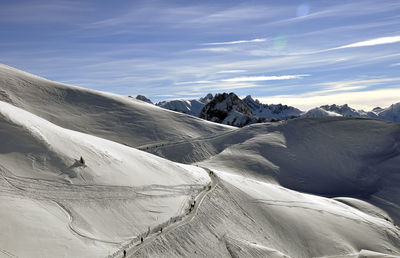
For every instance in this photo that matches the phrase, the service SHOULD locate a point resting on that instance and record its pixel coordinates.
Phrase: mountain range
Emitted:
(234, 111)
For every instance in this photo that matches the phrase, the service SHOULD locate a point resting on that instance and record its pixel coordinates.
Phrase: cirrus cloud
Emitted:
(265, 78)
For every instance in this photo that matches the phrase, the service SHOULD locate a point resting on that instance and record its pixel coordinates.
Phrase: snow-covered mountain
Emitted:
(391, 113)
(307, 187)
(319, 112)
(276, 112)
(228, 109)
(265, 112)
(345, 110)
(192, 107)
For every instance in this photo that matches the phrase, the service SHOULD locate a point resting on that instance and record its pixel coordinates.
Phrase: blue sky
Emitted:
(301, 53)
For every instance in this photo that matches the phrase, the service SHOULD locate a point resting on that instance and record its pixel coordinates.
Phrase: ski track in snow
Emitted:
(76, 231)
(131, 250)
(146, 147)
(8, 254)
(42, 189)
(58, 192)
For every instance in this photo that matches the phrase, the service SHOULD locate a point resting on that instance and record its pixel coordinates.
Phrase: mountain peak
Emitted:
(275, 112)
(206, 98)
(143, 98)
(228, 109)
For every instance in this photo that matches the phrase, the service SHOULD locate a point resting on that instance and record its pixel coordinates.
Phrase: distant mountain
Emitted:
(391, 113)
(192, 107)
(277, 112)
(319, 112)
(347, 111)
(143, 98)
(264, 112)
(228, 109)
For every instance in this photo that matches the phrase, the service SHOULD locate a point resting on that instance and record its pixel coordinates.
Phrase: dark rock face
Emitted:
(228, 109)
(143, 98)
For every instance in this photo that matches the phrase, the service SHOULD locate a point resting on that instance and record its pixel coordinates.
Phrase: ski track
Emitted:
(131, 250)
(42, 189)
(147, 147)
(76, 231)
(290, 205)
(58, 193)
(8, 253)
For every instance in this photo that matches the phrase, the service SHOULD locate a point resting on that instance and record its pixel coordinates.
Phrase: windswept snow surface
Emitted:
(330, 156)
(54, 206)
(113, 117)
(243, 217)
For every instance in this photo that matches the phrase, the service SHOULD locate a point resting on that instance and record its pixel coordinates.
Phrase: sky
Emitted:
(299, 53)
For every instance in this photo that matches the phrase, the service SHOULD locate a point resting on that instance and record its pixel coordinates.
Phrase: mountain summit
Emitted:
(269, 112)
(228, 109)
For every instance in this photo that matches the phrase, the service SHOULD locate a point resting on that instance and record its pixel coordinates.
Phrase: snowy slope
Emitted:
(81, 210)
(98, 113)
(332, 156)
(248, 218)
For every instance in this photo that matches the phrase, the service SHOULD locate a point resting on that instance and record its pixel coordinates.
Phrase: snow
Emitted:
(187, 106)
(319, 112)
(98, 113)
(250, 218)
(116, 195)
(305, 187)
(192, 107)
(391, 113)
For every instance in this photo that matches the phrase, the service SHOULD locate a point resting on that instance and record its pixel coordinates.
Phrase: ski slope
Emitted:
(244, 217)
(81, 210)
(307, 187)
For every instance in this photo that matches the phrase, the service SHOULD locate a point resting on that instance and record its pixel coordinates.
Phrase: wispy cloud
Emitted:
(371, 42)
(265, 78)
(214, 49)
(43, 11)
(358, 99)
(359, 93)
(235, 42)
(232, 71)
(193, 82)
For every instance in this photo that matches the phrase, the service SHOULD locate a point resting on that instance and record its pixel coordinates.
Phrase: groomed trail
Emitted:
(131, 248)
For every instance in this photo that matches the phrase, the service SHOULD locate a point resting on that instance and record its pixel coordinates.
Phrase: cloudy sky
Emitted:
(301, 53)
